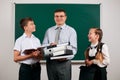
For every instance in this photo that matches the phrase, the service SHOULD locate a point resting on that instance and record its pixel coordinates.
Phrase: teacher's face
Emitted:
(60, 18)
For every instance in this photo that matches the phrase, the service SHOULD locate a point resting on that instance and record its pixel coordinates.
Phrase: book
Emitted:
(29, 51)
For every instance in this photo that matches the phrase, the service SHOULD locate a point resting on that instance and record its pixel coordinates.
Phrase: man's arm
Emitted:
(73, 41)
(45, 40)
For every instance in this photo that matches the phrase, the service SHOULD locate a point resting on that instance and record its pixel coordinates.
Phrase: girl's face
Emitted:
(92, 37)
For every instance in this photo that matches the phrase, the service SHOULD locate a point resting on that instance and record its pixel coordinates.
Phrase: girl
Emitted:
(96, 57)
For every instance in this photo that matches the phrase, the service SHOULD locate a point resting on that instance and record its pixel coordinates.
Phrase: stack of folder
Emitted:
(58, 52)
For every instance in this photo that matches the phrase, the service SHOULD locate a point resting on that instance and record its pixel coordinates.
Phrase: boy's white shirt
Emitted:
(25, 42)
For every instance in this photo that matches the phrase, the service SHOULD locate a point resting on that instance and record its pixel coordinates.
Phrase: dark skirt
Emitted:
(92, 73)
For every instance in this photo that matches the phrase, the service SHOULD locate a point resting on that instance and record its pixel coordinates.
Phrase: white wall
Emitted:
(110, 15)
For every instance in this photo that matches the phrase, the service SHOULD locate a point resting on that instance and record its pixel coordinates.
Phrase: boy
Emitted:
(30, 68)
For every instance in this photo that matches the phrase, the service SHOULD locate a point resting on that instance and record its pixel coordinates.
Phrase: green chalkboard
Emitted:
(80, 16)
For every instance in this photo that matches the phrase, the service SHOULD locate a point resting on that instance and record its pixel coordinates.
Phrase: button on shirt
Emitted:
(106, 60)
(67, 35)
(23, 43)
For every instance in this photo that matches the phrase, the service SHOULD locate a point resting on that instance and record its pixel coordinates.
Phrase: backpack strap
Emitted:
(99, 48)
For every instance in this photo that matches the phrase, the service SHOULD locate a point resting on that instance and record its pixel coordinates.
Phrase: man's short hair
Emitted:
(60, 10)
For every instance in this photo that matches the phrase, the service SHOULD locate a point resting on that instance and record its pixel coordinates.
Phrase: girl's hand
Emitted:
(88, 62)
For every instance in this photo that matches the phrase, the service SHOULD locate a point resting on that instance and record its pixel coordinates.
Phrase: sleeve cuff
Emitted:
(95, 61)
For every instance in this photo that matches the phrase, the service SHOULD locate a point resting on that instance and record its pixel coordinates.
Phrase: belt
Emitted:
(59, 61)
(31, 65)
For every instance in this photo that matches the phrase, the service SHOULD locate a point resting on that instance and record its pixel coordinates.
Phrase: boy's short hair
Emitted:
(60, 10)
(24, 22)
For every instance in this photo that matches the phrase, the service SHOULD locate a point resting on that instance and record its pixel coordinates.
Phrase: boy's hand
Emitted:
(36, 53)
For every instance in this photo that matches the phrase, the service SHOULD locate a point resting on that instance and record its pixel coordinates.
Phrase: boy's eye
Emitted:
(32, 24)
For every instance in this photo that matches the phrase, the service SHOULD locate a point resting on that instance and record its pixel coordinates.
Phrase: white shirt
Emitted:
(106, 60)
(23, 43)
(67, 34)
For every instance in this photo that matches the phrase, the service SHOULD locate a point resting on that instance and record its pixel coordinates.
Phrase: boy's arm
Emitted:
(18, 57)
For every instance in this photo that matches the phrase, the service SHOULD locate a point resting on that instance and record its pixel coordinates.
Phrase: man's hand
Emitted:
(51, 44)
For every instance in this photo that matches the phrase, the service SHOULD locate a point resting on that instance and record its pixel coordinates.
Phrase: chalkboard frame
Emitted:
(69, 17)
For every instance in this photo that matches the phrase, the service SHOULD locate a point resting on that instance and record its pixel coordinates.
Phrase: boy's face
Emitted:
(30, 27)
(59, 18)
(92, 37)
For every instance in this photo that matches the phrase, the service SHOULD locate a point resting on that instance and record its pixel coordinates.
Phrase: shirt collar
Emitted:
(63, 26)
(94, 45)
(25, 36)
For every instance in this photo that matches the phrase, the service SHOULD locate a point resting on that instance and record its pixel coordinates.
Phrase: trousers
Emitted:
(59, 70)
(30, 72)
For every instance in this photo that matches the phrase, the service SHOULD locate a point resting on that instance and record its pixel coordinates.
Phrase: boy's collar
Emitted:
(26, 36)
